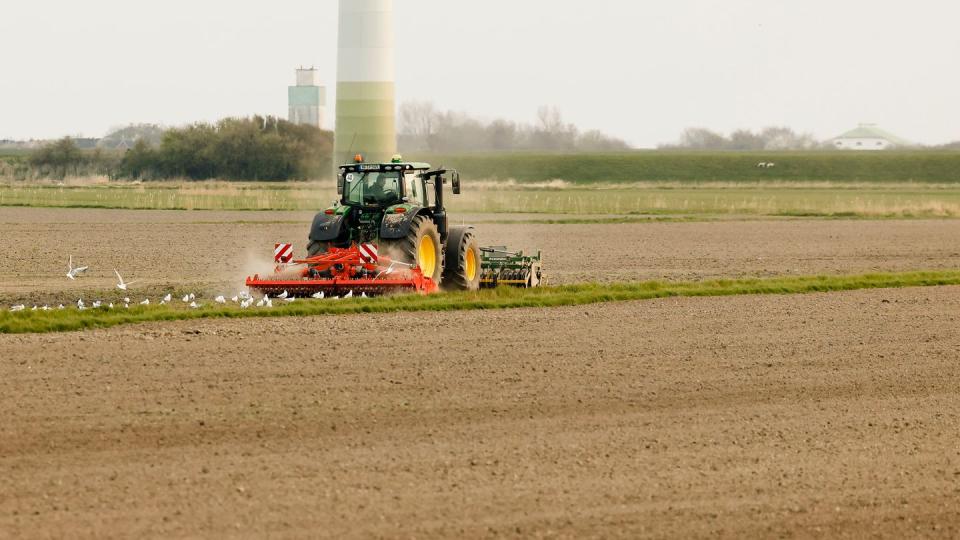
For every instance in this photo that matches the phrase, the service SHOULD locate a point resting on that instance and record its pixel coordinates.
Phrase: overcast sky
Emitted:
(640, 70)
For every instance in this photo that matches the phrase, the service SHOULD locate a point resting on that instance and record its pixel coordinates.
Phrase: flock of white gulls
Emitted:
(242, 299)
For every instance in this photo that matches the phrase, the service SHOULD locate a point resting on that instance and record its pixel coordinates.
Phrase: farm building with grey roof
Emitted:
(869, 137)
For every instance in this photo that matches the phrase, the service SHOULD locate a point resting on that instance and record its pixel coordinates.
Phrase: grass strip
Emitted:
(617, 220)
(704, 218)
(504, 298)
(914, 200)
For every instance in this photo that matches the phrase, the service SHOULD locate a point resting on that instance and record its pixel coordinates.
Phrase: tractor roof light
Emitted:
(358, 158)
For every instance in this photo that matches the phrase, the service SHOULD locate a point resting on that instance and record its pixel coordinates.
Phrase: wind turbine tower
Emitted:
(366, 104)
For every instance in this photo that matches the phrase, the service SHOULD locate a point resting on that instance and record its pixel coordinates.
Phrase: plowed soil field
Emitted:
(826, 415)
(211, 253)
(823, 415)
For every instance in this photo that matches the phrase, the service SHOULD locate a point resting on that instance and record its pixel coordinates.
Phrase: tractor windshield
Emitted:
(372, 188)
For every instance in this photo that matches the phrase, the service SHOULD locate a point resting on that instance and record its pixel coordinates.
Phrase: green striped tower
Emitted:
(366, 107)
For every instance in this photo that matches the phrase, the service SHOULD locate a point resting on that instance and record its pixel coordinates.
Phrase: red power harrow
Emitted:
(357, 269)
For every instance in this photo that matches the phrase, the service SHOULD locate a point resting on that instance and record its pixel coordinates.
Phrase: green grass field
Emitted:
(170, 195)
(871, 200)
(685, 166)
(829, 184)
(504, 298)
(876, 201)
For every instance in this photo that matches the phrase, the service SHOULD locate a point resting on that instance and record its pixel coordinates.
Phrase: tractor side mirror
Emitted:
(455, 180)
(340, 184)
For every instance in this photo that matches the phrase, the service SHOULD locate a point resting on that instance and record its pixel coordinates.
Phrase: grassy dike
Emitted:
(920, 166)
(571, 295)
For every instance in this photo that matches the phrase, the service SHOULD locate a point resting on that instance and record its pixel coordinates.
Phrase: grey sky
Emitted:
(636, 69)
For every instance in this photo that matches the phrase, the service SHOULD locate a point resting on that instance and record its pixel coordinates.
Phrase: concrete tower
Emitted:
(366, 108)
(308, 99)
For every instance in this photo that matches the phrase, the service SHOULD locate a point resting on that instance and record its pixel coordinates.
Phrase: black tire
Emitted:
(407, 249)
(461, 263)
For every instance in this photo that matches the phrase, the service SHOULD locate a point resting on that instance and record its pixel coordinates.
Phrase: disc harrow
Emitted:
(340, 271)
(504, 268)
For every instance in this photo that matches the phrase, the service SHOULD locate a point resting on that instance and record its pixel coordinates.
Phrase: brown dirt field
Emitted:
(826, 415)
(212, 252)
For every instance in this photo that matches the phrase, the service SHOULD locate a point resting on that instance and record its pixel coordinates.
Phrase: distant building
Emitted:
(869, 137)
(127, 137)
(124, 145)
(308, 99)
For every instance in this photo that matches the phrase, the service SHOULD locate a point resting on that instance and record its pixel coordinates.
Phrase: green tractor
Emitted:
(398, 207)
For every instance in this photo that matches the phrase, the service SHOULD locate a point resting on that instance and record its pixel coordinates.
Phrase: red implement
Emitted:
(342, 271)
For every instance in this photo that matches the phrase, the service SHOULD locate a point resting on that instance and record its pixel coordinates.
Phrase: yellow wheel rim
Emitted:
(471, 265)
(428, 256)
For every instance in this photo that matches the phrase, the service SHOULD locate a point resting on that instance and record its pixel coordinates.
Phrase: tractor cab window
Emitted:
(414, 189)
(372, 188)
(431, 193)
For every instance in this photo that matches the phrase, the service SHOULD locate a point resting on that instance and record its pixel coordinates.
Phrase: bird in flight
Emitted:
(122, 285)
(72, 272)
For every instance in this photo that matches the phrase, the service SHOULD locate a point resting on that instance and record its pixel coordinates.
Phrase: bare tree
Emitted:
(595, 141)
(702, 139)
(417, 118)
(552, 133)
(502, 135)
(743, 139)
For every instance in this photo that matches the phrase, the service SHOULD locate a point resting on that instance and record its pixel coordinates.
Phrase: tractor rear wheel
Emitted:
(461, 270)
(421, 248)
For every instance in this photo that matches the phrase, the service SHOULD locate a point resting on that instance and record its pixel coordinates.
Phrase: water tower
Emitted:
(308, 99)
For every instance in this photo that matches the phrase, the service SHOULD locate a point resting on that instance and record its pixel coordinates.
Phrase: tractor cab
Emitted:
(382, 186)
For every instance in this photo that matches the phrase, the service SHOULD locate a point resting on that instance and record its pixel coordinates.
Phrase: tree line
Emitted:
(424, 128)
(257, 148)
(64, 158)
(272, 149)
(771, 138)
